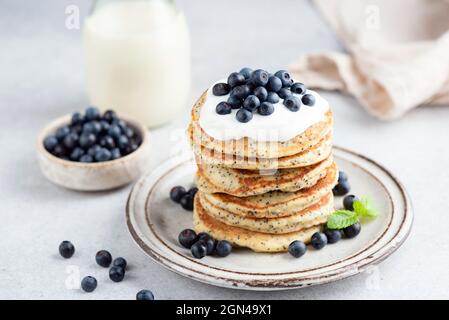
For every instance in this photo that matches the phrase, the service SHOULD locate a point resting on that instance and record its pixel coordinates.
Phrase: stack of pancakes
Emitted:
(263, 195)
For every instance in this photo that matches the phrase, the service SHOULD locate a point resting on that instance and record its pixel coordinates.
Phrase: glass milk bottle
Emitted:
(137, 56)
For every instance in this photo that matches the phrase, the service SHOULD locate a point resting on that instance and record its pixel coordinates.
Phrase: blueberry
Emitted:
(66, 249)
(120, 262)
(121, 124)
(241, 92)
(284, 93)
(109, 116)
(210, 245)
(92, 113)
(62, 132)
(104, 126)
(332, 235)
(187, 202)
(115, 154)
(274, 84)
(192, 191)
(144, 295)
(353, 230)
(221, 89)
(92, 151)
(85, 158)
(204, 235)
(131, 148)
(187, 238)
(76, 154)
(116, 273)
(246, 72)
(176, 193)
(235, 102)
(285, 78)
(319, 240)
(71, 140)
(129, 132)
(50, 143)
(292, 103)
(341, 188)
(92, 127)
(265, 109)
(89, 284)
(297, 248)
(298, 88)
(77, 118)
(223, 108)
(272, 97)
(308, 100)
(122, 142)
(259, 77)
(236, 79)
(107, 142)
(223, 248)
(251, 103)
(103, 258)
(115, 131)
(59, 151)
(87, 140)
(244, 115)
(199, 249)
(348, 202)
(103, 155)
(77, 128)
(261, 93)
(342, 176)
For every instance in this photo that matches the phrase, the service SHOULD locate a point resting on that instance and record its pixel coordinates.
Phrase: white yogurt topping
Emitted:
(281, 125)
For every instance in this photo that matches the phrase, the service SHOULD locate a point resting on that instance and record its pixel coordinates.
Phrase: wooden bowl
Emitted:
(95, 176)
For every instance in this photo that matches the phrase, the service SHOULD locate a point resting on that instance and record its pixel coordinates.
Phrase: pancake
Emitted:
(275, 203)
(312, 155)
(256, 241)
(246, 147)
(306, 218)
(244, 183)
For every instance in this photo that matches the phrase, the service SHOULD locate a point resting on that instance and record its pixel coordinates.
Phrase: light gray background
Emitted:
(41, 78)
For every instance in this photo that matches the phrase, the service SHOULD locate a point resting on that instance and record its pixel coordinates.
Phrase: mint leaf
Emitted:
(341, 219)
(365, 207)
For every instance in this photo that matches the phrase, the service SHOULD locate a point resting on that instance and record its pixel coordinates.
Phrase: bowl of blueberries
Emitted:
(93, 151)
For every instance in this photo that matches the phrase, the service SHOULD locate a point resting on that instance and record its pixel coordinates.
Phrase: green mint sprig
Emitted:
(363, 208)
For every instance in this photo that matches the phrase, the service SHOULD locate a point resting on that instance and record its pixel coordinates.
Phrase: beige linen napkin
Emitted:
(398, 54)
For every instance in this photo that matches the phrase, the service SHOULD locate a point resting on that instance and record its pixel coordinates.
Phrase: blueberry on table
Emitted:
(223, 248)
(251, 103)
(297, 248)
(352, 231)
(319, 240)
(92, 113)
(235, 102)
(76, 154)
(292, 103)
(223, 108)
(259, 77)
(284, 93)
(120, 262)
(244, 115)
(298, 88)
(77, 118)
(187, 202)
(348, 202)
(144, 295)
(50, 143)
(176, 193)
(308, 100)
(341, 188)
(109, 116)
(285, 78)
(103, 155)
(273, 97)
(221, 89)
(241, 91)
(187, 238)
(86, 140)
(274, 84)
(199, 249)
(265, 109)
(116, 273)
(89, 284)
(103, 258)
(332, 235)
(246, 72)
(71, 140)
(261, 93)
(66, 249)
(236, 79)
(62, 132)
(85, 158)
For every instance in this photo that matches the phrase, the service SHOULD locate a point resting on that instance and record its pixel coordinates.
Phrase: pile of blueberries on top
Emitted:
(93, 137)
(257, 91)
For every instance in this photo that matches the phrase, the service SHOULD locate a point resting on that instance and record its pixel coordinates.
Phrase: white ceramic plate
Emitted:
(155, 222)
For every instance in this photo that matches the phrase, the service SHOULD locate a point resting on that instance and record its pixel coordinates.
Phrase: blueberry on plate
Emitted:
(319, 240)
(274, 84)
(62, 132)
(85, 158)
(66, 249)
(241, 91)
(308, 100)
(109, 116)
(352, 231)
(261, 93)
(223, 108)
(103, 258)
(116, 273)
(341, 188)
(298, 88)
(144, 295)
(87, 140)
(235, 102)
(285, 78)
(103, 155)
(246, 72)
(92, 113)
(244, 115)
(221, 89)
(120, 262)
(348, 202)
(284, 93)
(187, 202)
(192, 191)
(259, 77)
(223, 248)
(176, 193)
(77, 118)
(89, 284)
(272, 97)
(50, 143)
(76, 154)
(236, 79)
(187, 238)
(199, 249)
(251, 103)
(210, 244)
(265, 109)
(292, 103)
(297, 248)
(332, 235)
(342, 176)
